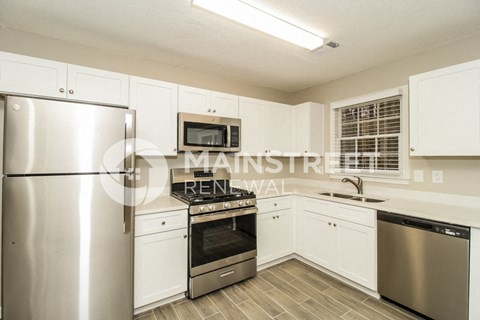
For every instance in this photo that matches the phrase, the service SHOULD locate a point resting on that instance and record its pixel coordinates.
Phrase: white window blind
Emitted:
(367, 137)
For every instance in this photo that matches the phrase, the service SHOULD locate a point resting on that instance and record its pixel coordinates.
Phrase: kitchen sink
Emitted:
(350, 197)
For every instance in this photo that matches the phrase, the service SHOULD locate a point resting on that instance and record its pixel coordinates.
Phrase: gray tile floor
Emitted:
(290, 290)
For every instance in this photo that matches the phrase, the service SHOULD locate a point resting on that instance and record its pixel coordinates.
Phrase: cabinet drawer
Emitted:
(358, 215)
(159, 222)
(319, 206)
(274, 204)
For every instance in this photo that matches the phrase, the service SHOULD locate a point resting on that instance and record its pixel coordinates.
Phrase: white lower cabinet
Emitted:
(330, 235)
(274, 229)
(160, 259)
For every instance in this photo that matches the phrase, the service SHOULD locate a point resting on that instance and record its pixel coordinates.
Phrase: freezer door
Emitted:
(65, 252)
(44, 136)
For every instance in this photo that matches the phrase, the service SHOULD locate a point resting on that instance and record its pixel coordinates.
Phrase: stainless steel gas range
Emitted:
(222, 229)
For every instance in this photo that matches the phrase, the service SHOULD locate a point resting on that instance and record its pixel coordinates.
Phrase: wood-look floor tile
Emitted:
(340, 286)
(330, 303)
(285, 316)
(356, 306)
(282, 274)
(186, 310)
(142, 314)
(294, 270)
(352, 315)
(290, 305)
(226, 306)
(234, 293)
(148, 316)
(216, 316)
(319, 310)
(253, 311)
(165, 312)
(284, 287)
(316, 282)
(204, 306)
(267, 304)
(261, 283)
(388, 310)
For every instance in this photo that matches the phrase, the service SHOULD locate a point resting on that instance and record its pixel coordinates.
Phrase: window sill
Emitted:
(380, 179)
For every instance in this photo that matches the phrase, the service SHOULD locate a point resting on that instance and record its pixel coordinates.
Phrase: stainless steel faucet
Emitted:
(358, 184)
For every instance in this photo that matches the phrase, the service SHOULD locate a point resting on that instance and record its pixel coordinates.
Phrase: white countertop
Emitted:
(455, 214)
(467, 215)
(160, 204)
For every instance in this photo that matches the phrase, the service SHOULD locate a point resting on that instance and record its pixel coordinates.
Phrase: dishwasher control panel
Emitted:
(452, 231)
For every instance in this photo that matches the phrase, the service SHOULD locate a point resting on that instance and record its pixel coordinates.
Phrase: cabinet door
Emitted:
(445, 111)
(194, 100)
(156, 105)
(356, 253)
(160, 266)
(252, 114)
(308, 129)
(283, 245)
(100, 86)
(224, 104)
(319, 239)
(278, 128)
(32, 76)
(265, 237)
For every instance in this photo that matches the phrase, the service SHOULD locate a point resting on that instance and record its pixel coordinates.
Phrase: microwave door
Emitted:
(205, 135)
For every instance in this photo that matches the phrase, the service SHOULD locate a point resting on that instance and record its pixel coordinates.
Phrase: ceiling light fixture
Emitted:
(255, 18)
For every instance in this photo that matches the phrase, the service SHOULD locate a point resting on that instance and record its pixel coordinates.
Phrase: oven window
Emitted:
(205, 135)
(220, 239)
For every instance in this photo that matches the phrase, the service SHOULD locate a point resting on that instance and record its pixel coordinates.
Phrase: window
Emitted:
(367, 137)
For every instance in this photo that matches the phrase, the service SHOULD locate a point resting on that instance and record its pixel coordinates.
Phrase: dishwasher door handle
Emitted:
(418, 224)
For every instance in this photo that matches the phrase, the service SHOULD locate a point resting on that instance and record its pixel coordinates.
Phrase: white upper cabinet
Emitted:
(93, 85)
(445, 111)
(38, 77)
(266, 127)
(308, 129)
(201, 101)
(32, 76)
(156, 105)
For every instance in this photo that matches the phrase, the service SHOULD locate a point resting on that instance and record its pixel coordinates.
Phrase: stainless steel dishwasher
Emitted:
(424, 265)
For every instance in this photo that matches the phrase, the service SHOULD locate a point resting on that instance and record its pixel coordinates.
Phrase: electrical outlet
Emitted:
(417, 175)
(437, 176)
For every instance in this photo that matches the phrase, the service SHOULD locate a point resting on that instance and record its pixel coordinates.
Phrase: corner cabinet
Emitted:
(201, 101)
(39, 77)
(445, 111)
(274, 229)
(266, 127)
(338, 237)
(156, 105)
(160, 256)
(308, 129)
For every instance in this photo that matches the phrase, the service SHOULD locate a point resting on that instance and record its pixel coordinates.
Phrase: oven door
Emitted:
(221, 239)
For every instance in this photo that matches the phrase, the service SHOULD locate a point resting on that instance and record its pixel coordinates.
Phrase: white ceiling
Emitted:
(371, 32)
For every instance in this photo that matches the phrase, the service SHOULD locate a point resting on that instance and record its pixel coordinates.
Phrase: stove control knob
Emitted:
(248, 202)
(210, 207)
(202, 209)
(227, 205)
(240, 203)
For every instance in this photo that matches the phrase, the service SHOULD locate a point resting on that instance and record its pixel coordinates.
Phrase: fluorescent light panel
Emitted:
(257, 19)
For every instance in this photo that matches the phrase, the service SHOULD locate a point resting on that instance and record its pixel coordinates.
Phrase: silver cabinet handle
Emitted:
(227, 273)
(184, 236)
(174, 149)
(70, 91)
(334, 224)
(306, 151)
(329, 223)
(275, 204)
(214, 110)
(278, 217)
(209, 110)
(273, 217)
(61, 90)
(412, 149)
(163, 223)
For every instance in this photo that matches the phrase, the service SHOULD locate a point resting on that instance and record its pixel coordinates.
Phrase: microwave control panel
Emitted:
(234, 137)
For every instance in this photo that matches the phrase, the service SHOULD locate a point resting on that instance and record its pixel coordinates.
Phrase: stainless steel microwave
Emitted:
(198, 132)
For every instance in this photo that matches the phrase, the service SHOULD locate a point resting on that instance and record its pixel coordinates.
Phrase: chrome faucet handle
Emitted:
(359, 184)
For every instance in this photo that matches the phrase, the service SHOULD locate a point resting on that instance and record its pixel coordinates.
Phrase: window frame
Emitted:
(403, 176)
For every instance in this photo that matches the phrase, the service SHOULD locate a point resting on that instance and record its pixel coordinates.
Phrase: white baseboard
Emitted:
(159, 303)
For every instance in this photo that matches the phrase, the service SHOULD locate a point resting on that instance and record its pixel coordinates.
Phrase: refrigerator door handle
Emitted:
(130, 141)
(129, 206)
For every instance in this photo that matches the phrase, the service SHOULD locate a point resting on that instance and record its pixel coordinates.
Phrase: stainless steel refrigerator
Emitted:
(67, 235)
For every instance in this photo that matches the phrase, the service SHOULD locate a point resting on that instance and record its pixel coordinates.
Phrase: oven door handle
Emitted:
(222, 215)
